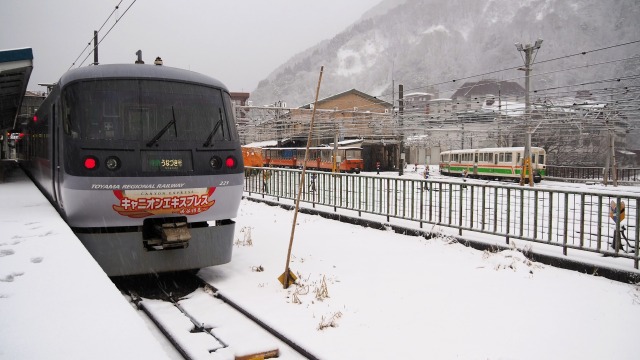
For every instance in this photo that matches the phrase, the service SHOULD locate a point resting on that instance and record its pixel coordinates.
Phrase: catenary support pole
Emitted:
(95, 47)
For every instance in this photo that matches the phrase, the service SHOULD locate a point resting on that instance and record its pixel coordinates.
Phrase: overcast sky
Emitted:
(237, 42)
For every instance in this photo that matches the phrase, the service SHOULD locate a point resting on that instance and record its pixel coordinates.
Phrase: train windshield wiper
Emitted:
(218, 125)
(164, 129)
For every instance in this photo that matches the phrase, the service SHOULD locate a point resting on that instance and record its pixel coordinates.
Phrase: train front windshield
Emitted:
(147, 110)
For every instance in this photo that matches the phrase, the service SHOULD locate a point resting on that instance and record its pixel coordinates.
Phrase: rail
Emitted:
(592, 173)
(568, 219)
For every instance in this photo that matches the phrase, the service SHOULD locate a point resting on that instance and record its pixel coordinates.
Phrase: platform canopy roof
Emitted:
(15, 70)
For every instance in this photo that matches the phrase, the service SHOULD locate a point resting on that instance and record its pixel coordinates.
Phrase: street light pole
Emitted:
(528, 60)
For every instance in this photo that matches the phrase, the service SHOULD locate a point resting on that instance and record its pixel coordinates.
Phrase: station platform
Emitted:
(55, 301)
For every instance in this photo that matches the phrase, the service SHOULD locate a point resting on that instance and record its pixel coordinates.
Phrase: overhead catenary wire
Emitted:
(91, 39)
(609, 99)
(108, 31)
(480, 75)
(558, 115)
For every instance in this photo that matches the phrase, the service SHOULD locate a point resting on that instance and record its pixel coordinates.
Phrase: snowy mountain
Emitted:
(419, 43)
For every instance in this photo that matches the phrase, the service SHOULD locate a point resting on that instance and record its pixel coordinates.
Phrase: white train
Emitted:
(492, 163)
(144, 164)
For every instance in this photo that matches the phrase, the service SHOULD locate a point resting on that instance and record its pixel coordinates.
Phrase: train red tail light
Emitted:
(230, 162)
(90, 162)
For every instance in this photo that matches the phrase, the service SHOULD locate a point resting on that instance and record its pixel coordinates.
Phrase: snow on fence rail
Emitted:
(554, 216)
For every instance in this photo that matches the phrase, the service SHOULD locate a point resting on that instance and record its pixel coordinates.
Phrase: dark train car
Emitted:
(143, 162)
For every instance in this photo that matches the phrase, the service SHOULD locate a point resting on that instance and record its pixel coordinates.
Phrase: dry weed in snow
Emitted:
(331, 322)
(322, 292)
(247, 237)
(510, 259)
(303, 285)
(301, 290)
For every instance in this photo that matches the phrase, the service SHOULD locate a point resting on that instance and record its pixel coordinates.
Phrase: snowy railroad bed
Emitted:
(205, 327)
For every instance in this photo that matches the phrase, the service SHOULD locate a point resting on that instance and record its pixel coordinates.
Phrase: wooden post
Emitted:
(287, 276)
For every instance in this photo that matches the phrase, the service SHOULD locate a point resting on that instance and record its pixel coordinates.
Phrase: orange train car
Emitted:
(348, 159)
(252, 156)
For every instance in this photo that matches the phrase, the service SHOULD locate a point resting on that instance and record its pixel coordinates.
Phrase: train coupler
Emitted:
(164, 234)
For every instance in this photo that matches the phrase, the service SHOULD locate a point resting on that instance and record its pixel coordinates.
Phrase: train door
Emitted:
(56, 149)
(475, 164)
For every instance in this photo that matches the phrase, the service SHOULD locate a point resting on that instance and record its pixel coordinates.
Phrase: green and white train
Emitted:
(492, 163)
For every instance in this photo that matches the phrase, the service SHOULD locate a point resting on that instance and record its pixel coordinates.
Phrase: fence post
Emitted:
(508, 213)
(581, 220)
(566, 223)
(535, 213)
(462, 191)
(637, 234)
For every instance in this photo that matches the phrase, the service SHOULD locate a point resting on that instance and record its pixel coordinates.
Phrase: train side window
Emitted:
(508, 157)
(66, 116)
(501, 159)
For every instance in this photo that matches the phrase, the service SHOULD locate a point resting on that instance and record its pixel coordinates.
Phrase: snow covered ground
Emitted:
(55, 301)
(362, 293)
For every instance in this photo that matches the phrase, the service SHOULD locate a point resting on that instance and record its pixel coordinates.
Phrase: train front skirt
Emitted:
(128, 253)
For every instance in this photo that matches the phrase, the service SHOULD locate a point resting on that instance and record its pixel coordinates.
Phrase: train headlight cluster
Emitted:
(112, 163)
(216, 162)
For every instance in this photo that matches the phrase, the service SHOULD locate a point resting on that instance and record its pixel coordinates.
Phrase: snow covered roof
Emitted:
(489, 86)
(372, 99)
(260, 144)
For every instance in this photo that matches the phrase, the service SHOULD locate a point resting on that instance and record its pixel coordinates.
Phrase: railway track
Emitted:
(201, 323)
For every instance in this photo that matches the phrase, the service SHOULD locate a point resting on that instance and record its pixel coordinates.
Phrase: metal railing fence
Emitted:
(592, 173)
(569, 219)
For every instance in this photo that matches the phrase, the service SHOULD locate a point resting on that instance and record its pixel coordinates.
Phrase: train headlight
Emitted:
(231, 162)
(90, 162)
(215, 162)
(112, 163)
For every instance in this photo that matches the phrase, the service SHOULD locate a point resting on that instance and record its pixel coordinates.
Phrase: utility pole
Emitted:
(610, 162)
(401, 114)
(499, 117)
(528, 60)
(461, 133)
